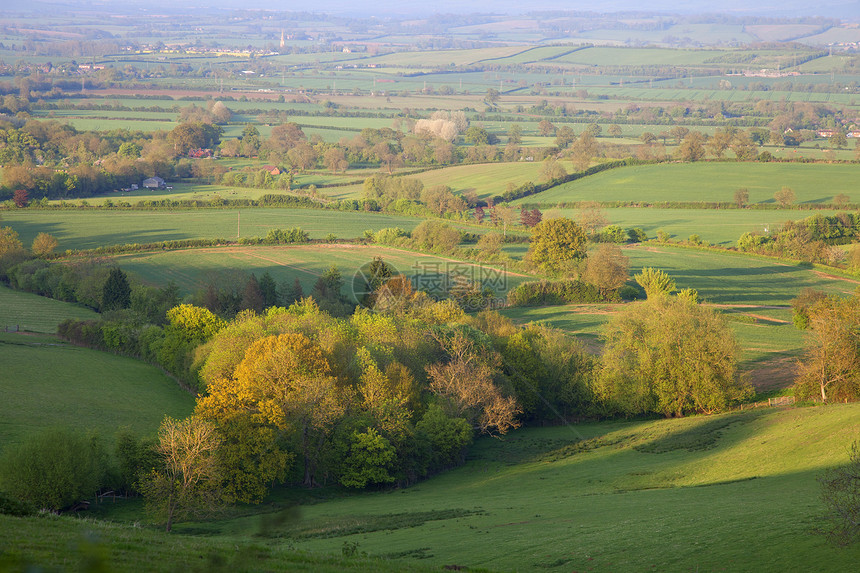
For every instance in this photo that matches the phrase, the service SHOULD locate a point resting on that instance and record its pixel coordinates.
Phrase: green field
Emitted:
(64, 543)
(47, 383)
(92, 229)
(734, 492)
(33, 313)
(726, 278)
(717, 226)
(191, 268)
(812, 183)
(485, 179)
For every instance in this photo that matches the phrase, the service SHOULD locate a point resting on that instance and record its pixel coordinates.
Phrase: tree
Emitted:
(11, 248)
(671, 356)
(465, 382)
(370, 460)
(841, 200)
(490, 244)
(742, 198)
(838, 140)
(607, 268)
(840, 492)
(117, 292)
(44, 244)
(285, 381)
(719, 142)
(557, 242)
(53, 469)
(515, 134)
(583, 149)
(591, 217)
(785, 196)
(186, 480)
(21, 198)
(830, 368)
(614, 130)
(551, 170)
(545, 128)
(564, 136)
(655, 282)
(693, 147)
(335, 160)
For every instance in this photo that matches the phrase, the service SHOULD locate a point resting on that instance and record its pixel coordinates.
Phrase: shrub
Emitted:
(54, 469)
(558, 292)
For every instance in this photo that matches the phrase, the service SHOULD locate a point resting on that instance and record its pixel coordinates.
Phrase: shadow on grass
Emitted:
(699, 433)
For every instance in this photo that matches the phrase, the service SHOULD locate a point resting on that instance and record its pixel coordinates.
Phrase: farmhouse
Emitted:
(154, 183)
(273, 170)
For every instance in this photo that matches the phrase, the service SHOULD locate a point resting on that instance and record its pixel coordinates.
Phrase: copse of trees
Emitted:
(669, 355)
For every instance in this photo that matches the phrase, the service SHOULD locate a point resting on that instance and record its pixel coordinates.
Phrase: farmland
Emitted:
(89, 229)
(82, 389)
(698, 478)
(685, 182)
(33, 313)
(418, 434)
(190, 269)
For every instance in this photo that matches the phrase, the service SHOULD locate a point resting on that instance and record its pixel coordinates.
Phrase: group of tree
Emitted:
(813, 239)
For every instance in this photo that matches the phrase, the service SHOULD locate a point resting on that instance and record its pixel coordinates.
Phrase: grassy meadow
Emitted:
(47, 383)
(34, 313)
(191, 268)
(709, 493)
(91, 229)
(711, 181)
(718, 226)
(31, 543)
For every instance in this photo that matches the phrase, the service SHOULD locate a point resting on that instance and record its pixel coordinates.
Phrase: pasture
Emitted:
(89, 229)
(718, 226)
(32, 313)
(736, 492)
(709, 181)
(731, 278)
(48, 383)
(191, 268)
(51, 542)
(484, 179)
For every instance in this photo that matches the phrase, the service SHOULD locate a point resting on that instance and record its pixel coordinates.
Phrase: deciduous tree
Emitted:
(557, 242)
(671, 356)
(830, 368)
(188, 476)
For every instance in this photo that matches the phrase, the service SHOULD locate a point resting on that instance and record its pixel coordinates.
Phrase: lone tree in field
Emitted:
(742, 198)
(671, 356)
(785, 196)
(117, 292)
(557, 242)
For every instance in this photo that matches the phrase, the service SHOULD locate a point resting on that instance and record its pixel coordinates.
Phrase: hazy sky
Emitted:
(847, 9)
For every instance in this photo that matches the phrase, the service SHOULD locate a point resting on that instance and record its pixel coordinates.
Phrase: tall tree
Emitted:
(116, 293)
(830, 368)
(187, 478)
